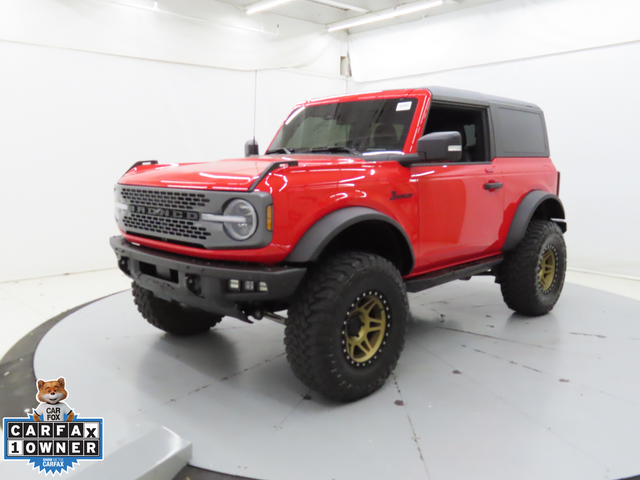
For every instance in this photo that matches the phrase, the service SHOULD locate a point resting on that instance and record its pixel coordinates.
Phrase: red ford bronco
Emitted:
(358, 199)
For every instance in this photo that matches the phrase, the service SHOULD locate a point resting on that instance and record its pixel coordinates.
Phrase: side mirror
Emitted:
(440, 147)
(251, 148)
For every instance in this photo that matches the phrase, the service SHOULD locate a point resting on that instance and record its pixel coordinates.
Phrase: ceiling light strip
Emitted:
(384, 15)
(264, 5)
(343, 6)
(157, 9)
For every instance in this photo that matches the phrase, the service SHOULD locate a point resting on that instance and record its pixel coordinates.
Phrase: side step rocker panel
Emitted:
(433, 279)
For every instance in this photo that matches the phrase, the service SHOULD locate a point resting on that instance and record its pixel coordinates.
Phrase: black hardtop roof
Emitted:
(446, 94)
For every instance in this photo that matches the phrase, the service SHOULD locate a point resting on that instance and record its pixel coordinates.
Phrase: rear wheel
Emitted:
(172, 317)
(345, 331)
(532, 275)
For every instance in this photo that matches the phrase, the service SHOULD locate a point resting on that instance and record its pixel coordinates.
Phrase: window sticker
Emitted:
(403, 106)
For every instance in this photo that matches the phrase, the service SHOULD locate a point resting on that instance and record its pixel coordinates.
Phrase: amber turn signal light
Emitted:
(270, 218)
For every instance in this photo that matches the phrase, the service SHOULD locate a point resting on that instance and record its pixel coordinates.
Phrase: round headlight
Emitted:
(241, 230)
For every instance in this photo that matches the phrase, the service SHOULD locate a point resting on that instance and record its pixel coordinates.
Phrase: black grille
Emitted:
(168, 226)
(166, 199)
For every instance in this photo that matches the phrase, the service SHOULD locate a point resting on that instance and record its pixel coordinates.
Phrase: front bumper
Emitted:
(202, 283)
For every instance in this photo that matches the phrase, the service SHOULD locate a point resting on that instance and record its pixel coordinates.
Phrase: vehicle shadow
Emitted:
(248, 360)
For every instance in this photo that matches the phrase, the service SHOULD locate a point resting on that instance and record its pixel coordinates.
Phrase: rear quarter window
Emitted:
(520, 133)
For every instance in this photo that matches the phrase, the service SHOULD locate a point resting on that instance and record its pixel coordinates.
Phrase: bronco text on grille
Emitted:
(168, 213)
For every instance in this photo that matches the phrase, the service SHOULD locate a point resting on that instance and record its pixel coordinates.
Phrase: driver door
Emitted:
(460, 203)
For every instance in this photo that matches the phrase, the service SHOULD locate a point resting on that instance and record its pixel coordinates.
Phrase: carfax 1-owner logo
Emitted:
(53, 438)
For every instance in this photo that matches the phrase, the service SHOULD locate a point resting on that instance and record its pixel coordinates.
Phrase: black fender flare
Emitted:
(320, 234)
(525, 212)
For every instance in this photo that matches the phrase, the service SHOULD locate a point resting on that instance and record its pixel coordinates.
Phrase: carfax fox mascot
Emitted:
(52, 408)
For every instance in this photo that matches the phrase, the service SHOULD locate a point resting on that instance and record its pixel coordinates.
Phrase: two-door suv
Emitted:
(358, 199)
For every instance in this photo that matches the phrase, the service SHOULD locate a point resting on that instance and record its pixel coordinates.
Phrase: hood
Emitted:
(234, 174)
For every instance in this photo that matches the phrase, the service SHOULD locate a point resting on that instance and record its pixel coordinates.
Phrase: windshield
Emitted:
(366, 127)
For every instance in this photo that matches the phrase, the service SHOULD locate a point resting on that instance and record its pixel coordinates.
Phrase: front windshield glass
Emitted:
(367, 127)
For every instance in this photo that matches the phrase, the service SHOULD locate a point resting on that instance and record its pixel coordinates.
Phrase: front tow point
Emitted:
(194, 284)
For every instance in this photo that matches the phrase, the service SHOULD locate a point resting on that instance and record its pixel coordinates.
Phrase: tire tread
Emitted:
(306, 333)
(171, 317)
(519, 288)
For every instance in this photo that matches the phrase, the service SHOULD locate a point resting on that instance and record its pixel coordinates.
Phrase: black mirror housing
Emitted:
(251, 148)
(440, 147)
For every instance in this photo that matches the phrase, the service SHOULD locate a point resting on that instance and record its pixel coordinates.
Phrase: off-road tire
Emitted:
(172, 317)
(315, 327)
(519, 273)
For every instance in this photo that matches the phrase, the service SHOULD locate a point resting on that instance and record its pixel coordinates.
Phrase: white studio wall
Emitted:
(495, 32)
(590, 99)
(71, 123)
(88, 87)
(195, 32)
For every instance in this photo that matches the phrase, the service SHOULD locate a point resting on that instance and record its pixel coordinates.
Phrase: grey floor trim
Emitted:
(195, 473)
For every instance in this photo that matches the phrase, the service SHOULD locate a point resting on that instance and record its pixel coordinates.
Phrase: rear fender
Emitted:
(535, 205)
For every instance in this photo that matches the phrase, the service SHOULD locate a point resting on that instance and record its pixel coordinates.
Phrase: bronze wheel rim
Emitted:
(365, 328)
(547, 272)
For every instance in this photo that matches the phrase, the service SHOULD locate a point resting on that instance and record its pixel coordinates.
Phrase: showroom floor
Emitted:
(565, 390)
(25, 304)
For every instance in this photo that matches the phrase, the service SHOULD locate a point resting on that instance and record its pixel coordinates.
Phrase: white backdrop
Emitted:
(195, 32)
(72, 122)
(591, 102)
(494, 32)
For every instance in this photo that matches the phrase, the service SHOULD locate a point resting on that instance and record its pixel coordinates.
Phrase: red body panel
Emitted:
(450, 217)
(460, 220)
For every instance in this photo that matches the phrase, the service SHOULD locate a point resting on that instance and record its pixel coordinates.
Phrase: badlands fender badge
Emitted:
(399, 196)
(53, 438)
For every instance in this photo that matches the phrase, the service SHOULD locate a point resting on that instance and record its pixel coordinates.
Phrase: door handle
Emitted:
(492, 185)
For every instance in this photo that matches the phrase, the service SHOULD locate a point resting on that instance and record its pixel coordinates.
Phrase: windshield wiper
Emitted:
(335, 149)
(279, 150)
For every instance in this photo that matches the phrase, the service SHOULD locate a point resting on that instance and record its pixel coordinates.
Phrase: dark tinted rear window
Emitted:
(521, 133)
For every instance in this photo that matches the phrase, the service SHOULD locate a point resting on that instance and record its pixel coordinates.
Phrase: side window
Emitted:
(470, 122)
(522, 133)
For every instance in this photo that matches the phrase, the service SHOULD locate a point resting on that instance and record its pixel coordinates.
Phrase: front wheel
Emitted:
(532, 275)
(172, 317)
(346, 329)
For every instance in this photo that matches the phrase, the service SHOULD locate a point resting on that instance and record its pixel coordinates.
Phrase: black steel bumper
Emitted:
(201, 283)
